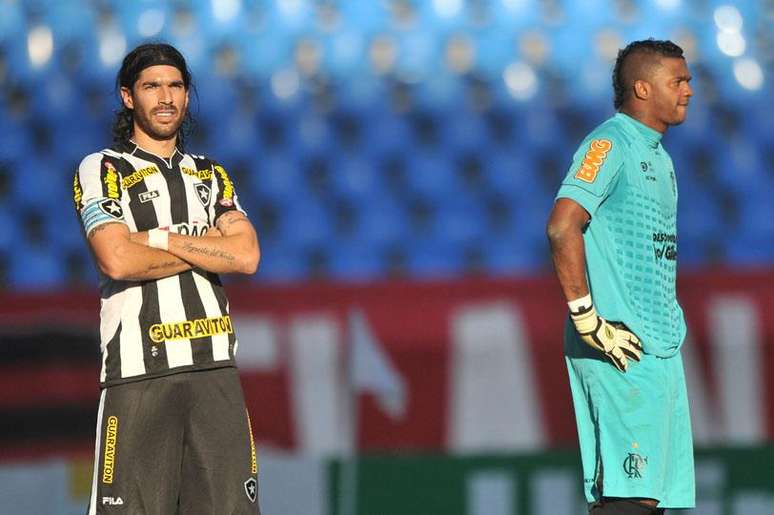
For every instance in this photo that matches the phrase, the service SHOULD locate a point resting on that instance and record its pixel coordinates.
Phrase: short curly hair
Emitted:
(629, 68)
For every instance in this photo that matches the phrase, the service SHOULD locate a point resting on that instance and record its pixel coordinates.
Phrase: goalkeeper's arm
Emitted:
(565, 234)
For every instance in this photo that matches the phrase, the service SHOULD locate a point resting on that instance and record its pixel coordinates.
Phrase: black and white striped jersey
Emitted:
(170, 325)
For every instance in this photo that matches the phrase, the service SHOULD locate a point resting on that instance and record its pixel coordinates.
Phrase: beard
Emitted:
(154, 129)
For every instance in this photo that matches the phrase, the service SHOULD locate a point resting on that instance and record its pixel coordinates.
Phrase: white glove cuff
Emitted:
(158, 239)
(580, 305)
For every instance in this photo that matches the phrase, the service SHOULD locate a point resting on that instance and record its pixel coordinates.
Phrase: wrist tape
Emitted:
(158, 239)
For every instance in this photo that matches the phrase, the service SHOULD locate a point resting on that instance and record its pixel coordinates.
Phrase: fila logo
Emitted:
(112, 501)
(145, 196)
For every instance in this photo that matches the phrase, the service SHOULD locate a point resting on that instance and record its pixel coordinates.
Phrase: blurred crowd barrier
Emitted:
(471, 365)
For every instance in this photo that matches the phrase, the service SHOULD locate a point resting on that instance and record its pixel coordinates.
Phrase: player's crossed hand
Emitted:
(613, 339)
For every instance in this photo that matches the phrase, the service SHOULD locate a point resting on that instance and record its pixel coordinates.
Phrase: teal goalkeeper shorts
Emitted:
(634, 428)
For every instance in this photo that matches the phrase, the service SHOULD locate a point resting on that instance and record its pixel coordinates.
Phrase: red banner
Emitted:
(469, 365)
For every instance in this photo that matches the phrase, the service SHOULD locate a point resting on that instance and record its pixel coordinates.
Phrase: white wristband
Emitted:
(581, 304)
(158, 239)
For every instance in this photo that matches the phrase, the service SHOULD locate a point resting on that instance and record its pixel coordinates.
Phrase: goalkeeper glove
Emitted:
(613, 339)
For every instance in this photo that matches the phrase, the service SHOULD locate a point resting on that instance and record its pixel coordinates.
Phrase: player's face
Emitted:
(159, 100)
(671, 91)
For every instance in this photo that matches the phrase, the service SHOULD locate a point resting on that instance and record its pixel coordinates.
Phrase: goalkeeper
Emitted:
(613, 243)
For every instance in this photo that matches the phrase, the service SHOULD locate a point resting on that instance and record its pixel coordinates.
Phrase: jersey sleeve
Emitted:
(97, 192)
(225, 195)
(594, 172)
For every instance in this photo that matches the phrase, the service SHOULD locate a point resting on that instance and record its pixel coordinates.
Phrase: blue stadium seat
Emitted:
(37, 183)
(281, 263)
(278, 176)
(432, 176)
(63, 227)
(17, 143)
(382, 220)
(360, 173)
(460, 221)
(529, 217)
(11, 233)
(36, 268)
(699, 212)
(509, 257)
(430, 259)
(355, 177)
(12, 22)
(464, 130)
(388, 132)
(511, 171)
(355, 261)
(306, 222)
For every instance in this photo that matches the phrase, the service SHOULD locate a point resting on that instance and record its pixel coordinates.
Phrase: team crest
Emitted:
(112, 208)
(634, 465)
(251, 489)
(203, 192)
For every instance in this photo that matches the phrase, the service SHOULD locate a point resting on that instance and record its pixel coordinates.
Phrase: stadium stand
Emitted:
(406, 139)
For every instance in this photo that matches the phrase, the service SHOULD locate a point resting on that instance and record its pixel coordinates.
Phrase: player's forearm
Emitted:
(237, 253)
(134, 261)
(568, 254)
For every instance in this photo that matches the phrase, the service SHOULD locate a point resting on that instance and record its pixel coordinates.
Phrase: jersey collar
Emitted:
(140, 152)
(651, 136)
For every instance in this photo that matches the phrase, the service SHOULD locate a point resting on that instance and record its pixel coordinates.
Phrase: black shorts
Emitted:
(179, 444)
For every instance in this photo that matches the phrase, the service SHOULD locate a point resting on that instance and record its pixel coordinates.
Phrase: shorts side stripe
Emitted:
(97, 447)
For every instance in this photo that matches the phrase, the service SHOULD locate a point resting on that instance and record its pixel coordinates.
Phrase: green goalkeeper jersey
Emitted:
(626, 181)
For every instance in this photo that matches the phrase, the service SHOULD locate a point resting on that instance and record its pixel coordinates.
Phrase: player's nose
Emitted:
(165, 95)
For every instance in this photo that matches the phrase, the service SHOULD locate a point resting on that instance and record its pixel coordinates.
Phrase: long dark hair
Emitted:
(621, 74)
(145, 55)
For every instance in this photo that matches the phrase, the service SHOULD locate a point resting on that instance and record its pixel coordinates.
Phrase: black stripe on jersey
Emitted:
(220, 296)
(154, 354)
(178, 198)
(113, 361)
(143, 212)
(201, 348)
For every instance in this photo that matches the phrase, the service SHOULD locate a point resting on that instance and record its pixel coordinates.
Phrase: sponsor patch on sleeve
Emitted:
(110, 179)
(593, 160)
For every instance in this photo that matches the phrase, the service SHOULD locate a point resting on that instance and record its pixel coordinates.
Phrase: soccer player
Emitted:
(613, 243)
(173, 432)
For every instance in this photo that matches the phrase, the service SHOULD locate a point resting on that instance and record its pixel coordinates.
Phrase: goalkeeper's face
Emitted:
(671, 90)
(159, 100)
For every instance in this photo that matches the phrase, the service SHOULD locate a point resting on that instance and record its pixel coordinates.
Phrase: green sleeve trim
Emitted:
(588, 201)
